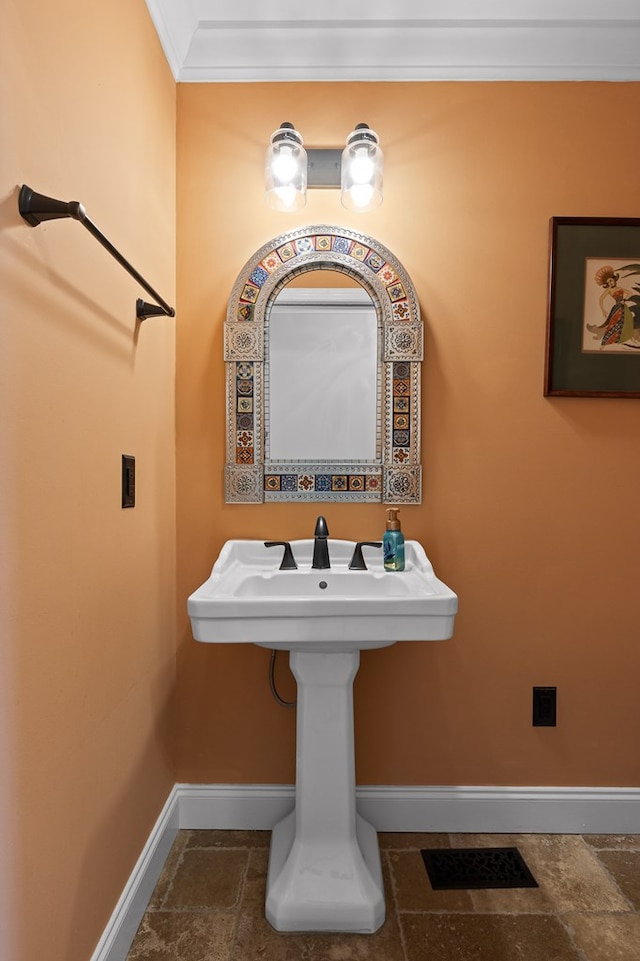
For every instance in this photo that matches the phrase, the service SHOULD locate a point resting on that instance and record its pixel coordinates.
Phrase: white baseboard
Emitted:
(122, 926)
(487, 810)
(477, 810)
(228, 807)
(502, 810)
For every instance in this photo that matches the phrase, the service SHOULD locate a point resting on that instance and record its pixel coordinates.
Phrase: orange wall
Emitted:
(528, 509)
(526, 512)
(88, 615)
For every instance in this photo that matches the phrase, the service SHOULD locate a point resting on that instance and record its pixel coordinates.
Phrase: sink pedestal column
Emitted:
(324, 864)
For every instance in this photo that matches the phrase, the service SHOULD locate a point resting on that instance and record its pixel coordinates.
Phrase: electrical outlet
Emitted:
(128, 480)
(544, 706)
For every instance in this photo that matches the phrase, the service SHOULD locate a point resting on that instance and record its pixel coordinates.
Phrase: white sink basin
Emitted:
(247, 599)
(324, 864)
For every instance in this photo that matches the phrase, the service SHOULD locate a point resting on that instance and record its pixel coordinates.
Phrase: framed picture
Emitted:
(593, 329)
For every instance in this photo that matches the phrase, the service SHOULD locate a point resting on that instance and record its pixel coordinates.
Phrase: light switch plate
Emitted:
(128, 480)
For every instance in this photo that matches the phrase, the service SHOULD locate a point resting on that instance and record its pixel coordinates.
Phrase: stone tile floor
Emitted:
(208, 904)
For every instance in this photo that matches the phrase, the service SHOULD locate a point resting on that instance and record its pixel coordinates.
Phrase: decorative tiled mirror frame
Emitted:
(393, 478)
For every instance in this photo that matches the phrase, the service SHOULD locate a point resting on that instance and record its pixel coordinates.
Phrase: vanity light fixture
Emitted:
(290, 169)
(361, 170)
(286, 170)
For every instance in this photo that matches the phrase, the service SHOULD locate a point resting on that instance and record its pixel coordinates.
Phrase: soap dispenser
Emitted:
(393, 543)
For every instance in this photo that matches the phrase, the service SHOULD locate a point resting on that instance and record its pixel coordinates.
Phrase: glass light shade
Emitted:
(361, 170)
(286, 170)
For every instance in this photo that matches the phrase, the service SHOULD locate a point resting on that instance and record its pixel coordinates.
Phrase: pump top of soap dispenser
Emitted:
(393, 524)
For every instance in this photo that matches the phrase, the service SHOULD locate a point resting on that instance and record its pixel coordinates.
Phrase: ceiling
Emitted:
(278, 40)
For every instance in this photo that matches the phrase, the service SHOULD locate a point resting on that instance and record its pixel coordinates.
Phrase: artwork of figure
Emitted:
(612, 307)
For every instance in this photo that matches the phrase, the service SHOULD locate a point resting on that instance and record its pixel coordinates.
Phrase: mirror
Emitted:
(321, 398)
(323, 344)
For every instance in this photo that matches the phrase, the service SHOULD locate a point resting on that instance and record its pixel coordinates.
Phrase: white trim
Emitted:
(412, 51)
(502, 810)
(120, 931)
(176, 24)
(534, 40)
(228, 807)
(447, 73)
(485, 810)
(490, 810)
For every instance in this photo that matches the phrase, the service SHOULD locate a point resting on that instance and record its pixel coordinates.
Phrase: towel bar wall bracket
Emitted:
(35, 207)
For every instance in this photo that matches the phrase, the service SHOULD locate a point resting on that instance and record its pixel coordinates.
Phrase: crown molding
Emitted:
(533, 40)
(176, 23)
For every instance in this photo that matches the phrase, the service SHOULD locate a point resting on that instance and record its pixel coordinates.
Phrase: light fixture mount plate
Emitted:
(323, 167)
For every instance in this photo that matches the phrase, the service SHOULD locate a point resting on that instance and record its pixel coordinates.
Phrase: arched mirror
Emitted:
(323, 344)
(322, 395)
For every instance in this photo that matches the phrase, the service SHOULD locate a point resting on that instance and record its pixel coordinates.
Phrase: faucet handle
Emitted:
(288, 560)
(321, 527)
(357, 561)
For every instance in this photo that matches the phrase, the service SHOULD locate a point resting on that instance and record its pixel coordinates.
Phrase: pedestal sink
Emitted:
(324, 864)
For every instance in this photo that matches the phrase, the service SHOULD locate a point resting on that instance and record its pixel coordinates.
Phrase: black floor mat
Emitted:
(452, 869)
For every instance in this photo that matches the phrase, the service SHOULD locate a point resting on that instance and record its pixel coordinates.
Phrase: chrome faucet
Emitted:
(320, 546)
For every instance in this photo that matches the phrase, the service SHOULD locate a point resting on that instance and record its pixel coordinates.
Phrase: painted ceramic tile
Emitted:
(304, 245)
(374, 261)
(403, 342)
(250, 293)
(258, 276)
(245, 311)
(401, 438)
(243, 484)
(286, 252)
(401, 455)
(271, 262)
(396, 292)
(244, 387)
(359, 252)
(325, 486)
(243, 342)
(341, 244)
(401, 310)
(387, 274)
(244, 438)
(402, 485)
(244, 455)
(323, 242)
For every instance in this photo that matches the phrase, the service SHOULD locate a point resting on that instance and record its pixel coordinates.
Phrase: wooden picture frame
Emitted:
(593, 325)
